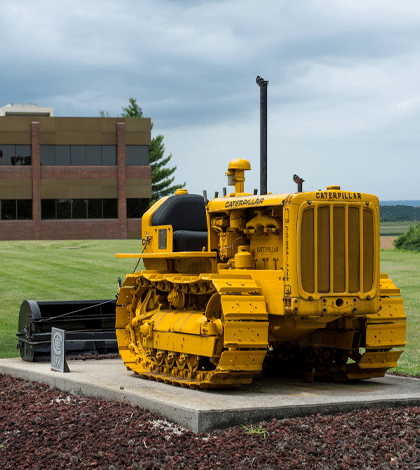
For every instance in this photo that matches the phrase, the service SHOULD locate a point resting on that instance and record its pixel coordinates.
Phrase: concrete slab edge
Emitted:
(211, 420)
(203, 421)
(181, 415)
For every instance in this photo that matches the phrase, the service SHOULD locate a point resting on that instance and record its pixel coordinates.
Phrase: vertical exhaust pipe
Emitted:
(263, 134)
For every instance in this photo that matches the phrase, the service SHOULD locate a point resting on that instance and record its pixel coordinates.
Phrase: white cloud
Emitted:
(343, 80)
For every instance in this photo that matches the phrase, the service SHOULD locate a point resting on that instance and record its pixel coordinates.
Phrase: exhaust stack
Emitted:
(263, 134)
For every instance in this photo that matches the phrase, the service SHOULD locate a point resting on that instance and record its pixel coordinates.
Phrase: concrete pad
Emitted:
(205, 410)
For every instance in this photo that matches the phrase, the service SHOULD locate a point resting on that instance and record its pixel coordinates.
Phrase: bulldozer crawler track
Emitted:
(384, 331)
(381, 331)
(219, 342)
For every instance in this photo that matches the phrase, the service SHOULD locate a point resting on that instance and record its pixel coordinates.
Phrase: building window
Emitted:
(64, 208)
(15, 155)
(47, 155)
(48, 209)
(93, 155)
(94, 208)
(62, 155)
(109, 155)
(79, 209)
(78, 155)
(136, 155)
(136, 207)
(110, 208)
(16, 209)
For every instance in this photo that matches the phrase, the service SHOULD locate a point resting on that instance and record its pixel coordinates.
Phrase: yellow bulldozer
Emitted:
(287, 282)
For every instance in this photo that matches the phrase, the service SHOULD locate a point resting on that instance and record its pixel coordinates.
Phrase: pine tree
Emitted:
(161, 180)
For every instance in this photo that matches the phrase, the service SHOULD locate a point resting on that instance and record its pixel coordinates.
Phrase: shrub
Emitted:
(409, 240)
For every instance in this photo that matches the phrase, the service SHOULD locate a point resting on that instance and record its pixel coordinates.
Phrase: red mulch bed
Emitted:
(44, 428)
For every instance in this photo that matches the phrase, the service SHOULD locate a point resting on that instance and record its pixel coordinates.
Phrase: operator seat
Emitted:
(187, 215)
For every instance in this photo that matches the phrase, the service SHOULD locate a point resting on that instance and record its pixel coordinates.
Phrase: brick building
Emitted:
(64, 178)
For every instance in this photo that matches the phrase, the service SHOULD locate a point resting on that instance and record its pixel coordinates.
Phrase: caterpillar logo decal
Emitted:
(338, 195)
(245, 202)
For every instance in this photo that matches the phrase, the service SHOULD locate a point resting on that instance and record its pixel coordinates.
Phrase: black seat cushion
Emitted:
(183, 212)
(186, 240)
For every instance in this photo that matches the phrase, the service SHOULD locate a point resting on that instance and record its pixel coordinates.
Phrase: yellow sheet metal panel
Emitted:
(381, 359)
(179, 321)
(246, 334)
(187, 344)
(233, 286)
(123, 338)
(169, 255)
(243, 307)
(241, 360)
(385, 335)
(130, 280)
(391, 308)
(122, 317)
(388, 288)
(124, 295)
(272, 288)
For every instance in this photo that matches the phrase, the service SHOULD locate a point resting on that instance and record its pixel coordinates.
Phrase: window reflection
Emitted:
(13, 209)
(93, 155)
(110, 208)
(94, 207)
(79, 209)
(109, 155)
(64, 209)
(24, 209)
(15, 155)
(48, 209)
(47, 154)
(136, 207)
(8, 209)
(136, 155)
(78, 154)
(62, 155)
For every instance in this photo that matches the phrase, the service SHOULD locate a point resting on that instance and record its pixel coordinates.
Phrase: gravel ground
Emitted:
(44, 428)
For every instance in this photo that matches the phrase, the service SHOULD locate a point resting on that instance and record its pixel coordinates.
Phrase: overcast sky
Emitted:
(343, 93)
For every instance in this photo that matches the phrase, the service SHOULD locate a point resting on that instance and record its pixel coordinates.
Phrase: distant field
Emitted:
(88, 269)
(389, 229)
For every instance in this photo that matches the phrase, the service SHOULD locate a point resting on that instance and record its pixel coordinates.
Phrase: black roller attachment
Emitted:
(90, 327)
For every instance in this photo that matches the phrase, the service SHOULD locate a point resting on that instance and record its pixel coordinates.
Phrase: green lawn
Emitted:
(403, 267)
(57, 270)
(88, 269)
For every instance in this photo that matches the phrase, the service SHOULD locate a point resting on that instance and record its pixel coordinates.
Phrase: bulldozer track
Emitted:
(215, 329)
(211, 330)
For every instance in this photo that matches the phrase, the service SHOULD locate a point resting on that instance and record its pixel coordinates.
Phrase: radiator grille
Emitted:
(337, 249)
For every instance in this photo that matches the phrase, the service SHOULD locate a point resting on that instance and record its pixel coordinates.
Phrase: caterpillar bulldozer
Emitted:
(287, 282)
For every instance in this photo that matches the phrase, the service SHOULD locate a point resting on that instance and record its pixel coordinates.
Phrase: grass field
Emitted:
(391, 229)
(57, 270)
(403, 267)
(88, 269)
